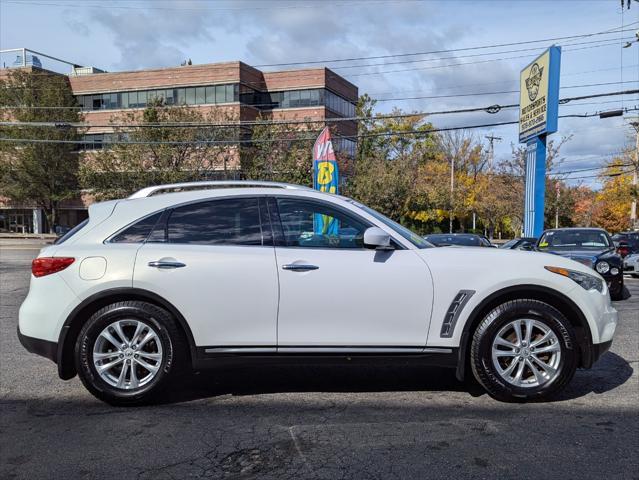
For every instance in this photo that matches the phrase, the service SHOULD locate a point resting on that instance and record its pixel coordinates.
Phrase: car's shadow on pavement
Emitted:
(610, 372)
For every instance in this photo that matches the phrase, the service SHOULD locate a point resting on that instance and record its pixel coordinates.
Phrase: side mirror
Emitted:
(527, 246)
(377, 238)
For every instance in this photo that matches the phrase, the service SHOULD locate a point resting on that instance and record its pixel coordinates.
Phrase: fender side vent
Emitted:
(457, 305)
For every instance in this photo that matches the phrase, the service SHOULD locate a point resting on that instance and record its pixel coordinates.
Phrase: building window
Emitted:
(217, 94)
(227, 93)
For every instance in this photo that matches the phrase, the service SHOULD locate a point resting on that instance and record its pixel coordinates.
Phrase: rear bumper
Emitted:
(40, 347)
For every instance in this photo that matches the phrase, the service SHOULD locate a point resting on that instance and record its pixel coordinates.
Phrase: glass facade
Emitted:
(298, 99)
(217, 94)
(172, 96)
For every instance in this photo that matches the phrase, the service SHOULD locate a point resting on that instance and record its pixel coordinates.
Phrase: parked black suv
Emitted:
(591, 246)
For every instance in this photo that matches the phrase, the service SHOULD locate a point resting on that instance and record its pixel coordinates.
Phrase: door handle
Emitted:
(299, 267)
(166, 264)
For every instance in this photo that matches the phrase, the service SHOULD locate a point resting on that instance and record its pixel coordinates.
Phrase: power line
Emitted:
(402, 133)
(501, 82)
(261, 85)
(489, 109)
(450, 50)
(503, 92)
(589, 169)
(234, 9)
(531, 49)
(462, 64)
(599, 175)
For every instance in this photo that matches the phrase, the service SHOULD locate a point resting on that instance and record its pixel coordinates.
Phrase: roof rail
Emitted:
(148, 191)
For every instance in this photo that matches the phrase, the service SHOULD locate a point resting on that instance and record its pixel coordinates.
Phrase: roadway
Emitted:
(321, 422)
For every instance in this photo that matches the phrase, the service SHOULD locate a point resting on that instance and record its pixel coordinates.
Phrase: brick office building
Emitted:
(244, 92)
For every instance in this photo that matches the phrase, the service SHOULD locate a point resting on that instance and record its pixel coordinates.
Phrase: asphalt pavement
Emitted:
(326, 422)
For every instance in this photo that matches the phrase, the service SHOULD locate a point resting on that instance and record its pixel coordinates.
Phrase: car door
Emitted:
(215, 262)
(336, 293)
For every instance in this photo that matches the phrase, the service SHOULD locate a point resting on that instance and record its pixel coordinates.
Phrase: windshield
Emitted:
(409, 235)
(510, 243)
(575, 239)
(463, 240)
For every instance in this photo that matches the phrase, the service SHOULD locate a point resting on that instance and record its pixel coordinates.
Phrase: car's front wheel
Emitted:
(524, 350)
(127, 352)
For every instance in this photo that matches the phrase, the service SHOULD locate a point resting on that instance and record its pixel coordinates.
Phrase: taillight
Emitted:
(47, 265)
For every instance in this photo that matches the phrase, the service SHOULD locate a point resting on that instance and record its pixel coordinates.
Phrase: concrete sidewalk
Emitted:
(25, 243)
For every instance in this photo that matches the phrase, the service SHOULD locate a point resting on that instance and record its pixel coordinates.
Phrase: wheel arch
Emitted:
(534, 292)
(80, 314)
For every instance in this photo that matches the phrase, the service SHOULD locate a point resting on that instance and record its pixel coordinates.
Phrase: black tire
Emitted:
(173, 344)
(481, 350)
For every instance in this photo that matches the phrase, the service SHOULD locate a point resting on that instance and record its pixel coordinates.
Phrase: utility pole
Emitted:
(452, 193)
(635, 174)
(557, 191)
(491, 154)
(491, 160)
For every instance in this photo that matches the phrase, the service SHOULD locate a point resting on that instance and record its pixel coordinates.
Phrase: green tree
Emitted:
(44, 173)
(391, 154)
(280, 152)
(163, 144)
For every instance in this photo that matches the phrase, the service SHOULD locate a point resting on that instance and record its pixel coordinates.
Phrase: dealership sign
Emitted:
(538, 113)
(539, 95)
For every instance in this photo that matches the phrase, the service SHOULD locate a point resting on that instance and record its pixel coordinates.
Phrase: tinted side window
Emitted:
(138, 232)
(316, 225)
(234, 221)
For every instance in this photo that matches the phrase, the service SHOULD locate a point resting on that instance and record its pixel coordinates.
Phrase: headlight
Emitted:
(588, 282)
(602, 267)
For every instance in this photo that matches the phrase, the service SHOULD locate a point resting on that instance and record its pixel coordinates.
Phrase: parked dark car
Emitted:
(627, 243)
(590, 246)
(460, 239)
(523, 243)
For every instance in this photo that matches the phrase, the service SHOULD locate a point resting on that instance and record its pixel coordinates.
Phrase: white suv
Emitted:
(168, 280)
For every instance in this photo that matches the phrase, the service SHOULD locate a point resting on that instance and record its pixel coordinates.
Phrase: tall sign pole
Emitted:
(538, 114)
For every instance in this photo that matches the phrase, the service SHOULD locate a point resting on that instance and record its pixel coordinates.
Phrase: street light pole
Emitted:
(452, 193)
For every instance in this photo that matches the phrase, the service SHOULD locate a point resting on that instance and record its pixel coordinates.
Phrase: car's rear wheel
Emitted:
(524, 350)
(128, 351)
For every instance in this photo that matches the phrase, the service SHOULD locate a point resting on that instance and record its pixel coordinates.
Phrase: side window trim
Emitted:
(266, 223)
(161, 224)
(276, 222)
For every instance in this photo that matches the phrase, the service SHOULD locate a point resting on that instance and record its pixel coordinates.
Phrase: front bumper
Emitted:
(631, 264)
(38, 346)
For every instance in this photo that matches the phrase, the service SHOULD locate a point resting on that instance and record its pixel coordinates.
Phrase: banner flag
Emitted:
(325, 179)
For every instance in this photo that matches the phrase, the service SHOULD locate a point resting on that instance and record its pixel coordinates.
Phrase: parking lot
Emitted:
(320, 422)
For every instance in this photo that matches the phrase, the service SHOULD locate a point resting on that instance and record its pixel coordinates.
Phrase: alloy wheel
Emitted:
(127, 354)
(526, 353)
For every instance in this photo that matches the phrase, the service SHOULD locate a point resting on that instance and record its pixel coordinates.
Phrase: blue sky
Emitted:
(133, 34)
